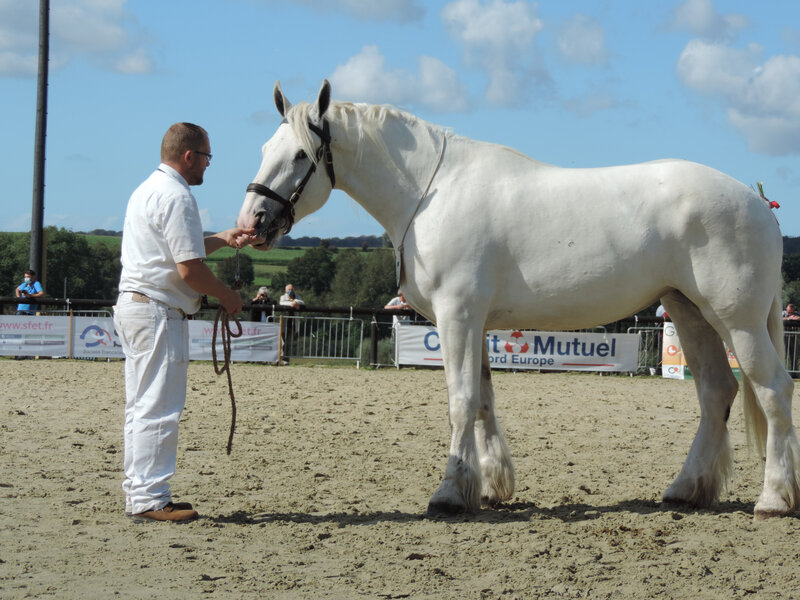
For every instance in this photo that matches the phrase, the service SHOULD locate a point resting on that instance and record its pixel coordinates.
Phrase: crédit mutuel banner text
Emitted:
(514, 349)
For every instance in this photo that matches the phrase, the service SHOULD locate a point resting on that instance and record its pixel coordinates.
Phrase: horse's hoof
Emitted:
(490, 501)
(443, 509)
(763, 515)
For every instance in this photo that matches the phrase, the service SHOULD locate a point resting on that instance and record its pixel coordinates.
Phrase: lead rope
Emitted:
(225, 335)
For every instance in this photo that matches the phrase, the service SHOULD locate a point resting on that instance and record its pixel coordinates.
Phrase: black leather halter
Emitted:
(324, 154)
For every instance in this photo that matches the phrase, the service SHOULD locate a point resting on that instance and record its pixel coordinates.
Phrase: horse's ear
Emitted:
(324, 99)
(282, 104)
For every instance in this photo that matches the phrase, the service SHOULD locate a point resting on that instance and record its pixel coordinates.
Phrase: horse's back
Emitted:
(556, 247)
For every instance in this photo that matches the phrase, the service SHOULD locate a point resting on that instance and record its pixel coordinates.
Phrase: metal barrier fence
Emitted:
(650, 346)
(341, 338)
(321, 337)
(791, 340)
(76, 313)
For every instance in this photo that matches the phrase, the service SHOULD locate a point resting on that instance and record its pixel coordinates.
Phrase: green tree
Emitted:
(312, 273)
(106, 268)
(226, 269)
(69, 265)
(14, 254)
(379, 283)
(70, 262)
(791, 267)
(346, 284)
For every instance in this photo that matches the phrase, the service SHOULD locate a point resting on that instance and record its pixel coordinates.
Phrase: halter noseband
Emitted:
(323, 153)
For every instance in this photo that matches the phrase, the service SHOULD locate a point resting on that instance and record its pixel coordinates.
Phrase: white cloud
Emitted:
(439, 86)
(699, 18)
(16, 64)
(366, 78)
(137, 62)
(401, 11)
(762, 101)
(717, 68)
(92, 29)
(498, 37)
(583, 41)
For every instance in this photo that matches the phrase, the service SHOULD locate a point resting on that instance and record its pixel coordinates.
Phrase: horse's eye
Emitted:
(301, 155)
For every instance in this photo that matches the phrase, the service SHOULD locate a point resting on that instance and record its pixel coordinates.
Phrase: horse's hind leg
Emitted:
(707, 468)
(761, 363)
(497, 470)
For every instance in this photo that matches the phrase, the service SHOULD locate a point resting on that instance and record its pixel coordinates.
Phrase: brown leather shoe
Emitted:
(171, 512)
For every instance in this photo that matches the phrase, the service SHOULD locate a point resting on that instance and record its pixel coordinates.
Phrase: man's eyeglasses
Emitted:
(206, 154)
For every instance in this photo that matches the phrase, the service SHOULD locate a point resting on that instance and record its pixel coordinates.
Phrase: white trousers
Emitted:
(155, 340)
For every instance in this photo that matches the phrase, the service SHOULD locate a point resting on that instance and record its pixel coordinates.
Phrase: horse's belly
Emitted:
(577, 308)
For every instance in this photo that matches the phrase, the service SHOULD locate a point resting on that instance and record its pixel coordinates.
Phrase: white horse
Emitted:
(487, 238)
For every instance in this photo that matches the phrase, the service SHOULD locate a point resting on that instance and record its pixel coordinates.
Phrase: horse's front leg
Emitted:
(460, 490)
(497, 470)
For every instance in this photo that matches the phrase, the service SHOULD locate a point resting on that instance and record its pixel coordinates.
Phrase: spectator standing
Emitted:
(291, 298)
(790, 313)
(262, 298)
(29, 288)
(398, 303)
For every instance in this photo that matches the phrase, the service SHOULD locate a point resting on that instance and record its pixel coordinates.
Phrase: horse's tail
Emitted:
(755, 421)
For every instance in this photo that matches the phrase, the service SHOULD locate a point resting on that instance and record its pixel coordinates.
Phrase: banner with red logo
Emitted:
(535, 350)
(673, 362)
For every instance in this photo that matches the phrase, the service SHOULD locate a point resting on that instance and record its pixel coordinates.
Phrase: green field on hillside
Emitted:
(265, 264)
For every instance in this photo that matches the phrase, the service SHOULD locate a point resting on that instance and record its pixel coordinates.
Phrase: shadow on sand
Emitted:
(503, 513)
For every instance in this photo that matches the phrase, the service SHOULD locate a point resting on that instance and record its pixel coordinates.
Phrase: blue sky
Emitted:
(579, 83)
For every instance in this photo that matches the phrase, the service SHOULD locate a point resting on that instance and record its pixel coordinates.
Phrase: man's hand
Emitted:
(201, 279)
(235, 237)
(231, 302)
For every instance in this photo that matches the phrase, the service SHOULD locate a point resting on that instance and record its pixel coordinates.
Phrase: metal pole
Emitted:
(373, 346)
(37, 210)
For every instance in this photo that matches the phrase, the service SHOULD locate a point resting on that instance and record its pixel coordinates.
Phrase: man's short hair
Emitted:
(179, 138)
(30, 272)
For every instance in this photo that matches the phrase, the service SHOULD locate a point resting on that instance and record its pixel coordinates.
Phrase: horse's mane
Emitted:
(366, 119)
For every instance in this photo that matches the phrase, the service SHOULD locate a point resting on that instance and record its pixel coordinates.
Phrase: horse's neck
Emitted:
(388, 181)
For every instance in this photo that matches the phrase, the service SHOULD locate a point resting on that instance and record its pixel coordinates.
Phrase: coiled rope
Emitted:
(222, 322)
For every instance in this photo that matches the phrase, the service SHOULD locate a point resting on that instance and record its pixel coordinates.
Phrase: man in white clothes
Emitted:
(163, 278)
(291, 298)
(398, 303)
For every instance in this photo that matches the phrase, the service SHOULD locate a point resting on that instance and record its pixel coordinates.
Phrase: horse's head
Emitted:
(288, 185)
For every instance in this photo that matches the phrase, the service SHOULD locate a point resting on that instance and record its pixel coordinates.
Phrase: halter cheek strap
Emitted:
(323, 153)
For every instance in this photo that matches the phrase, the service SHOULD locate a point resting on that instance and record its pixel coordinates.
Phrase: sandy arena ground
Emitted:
(331, 471)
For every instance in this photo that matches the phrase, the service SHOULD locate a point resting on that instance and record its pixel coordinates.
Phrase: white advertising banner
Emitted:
(95, 337)
(513, 349)
(258, 343)
(25, 335)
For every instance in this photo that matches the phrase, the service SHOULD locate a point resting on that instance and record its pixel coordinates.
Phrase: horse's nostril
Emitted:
(261, 217)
